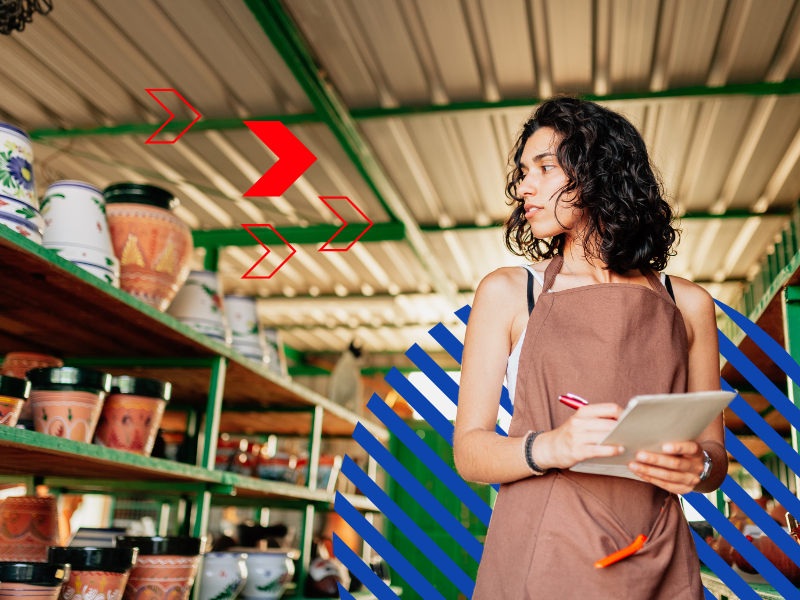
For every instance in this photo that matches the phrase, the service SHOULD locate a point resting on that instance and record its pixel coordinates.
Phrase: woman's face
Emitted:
(542, 180)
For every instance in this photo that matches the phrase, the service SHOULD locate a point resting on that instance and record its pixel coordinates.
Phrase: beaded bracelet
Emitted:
(532, 466)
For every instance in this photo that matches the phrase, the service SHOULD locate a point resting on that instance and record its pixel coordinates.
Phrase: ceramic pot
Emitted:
(199, 305)
(247, 335)
(86, 256)
(276, 357)
(28, 525)
(75, 216)
(154, 246)
(32, 581)
(165, 569)
(16, 165)
(22, 210)
(101, 273)
(268, 575)
(224, 575)
(67, 402)
(97, 573)
(132, 414)
(17, 364)
(22, 226)
(13, 393)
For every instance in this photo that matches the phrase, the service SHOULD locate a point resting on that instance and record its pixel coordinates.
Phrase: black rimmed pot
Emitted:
(103, 569)
(138, 193)
(32, 581)
(13, 393)
(163, 546)
(163, 562)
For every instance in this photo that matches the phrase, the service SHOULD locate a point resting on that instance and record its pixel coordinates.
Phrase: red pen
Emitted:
(573, 401)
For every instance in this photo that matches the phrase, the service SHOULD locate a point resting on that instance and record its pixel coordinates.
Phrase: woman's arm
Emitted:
(481, 454)
(678, 469)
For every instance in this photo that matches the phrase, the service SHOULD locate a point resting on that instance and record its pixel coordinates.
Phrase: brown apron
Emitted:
(606, 343)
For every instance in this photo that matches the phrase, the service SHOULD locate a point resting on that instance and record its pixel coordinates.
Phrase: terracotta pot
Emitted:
(776, 556)
(153, 245)
(224, 575)
(16, 165)
(132, 414)
(97, 573)
(721, 546)
(66, 401)
(28, 525)
(13, 393)
(17, 364)
(32, 581)
(165, 569)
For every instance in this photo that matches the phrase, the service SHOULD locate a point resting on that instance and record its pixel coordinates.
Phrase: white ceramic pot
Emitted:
(224, 575)
(104, 274)
(242, 316)
(16, 165)
(75, 215)
(88, 256)
(198, 304)
(268, 575)
(212, 330)
(275, 356)
(21, 210)
(21, 226)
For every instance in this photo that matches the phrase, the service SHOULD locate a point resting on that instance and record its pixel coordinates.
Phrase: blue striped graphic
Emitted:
(448, 341)
(722, 570)
(359, 568)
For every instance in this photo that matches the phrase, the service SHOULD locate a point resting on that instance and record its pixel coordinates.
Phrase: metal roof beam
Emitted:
(788, 87)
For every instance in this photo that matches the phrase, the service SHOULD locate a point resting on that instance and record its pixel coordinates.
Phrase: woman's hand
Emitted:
(678, 470)
(577, 439)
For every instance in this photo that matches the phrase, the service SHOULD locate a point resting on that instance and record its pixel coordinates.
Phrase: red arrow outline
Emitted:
(294, 158)
(172, 115)
(285, 260)
(353, 204)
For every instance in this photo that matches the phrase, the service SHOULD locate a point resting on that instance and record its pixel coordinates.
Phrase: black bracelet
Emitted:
(529, 454)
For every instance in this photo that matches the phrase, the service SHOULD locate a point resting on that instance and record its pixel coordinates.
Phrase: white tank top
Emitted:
(513, 359)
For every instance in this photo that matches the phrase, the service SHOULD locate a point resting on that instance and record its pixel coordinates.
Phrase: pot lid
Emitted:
(139, 193)
(14, 387)
(114, 560)
(41, 574)
(53, 378)
(157, 545)
(141, 386)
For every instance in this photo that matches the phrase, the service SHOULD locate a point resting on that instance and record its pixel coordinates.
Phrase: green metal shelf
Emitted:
(720, 590)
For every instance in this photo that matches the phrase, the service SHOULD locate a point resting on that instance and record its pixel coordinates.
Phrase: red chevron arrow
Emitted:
(293, 158)
(344, 224)
(285, 260)
(172, 116)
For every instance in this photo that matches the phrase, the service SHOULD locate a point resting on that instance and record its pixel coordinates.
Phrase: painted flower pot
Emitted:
(22, 210)
(199, 305)
(75, 215)
(22, 226)
(132, 414)
(28, 525)
(16, 165)
(17, 364)
(13, 393)
(165, 569)
(224, 575)
(101, 273)
(97, 573)
(154, 246)
(268, 575)
(67, 402)
(87, 256)
(32, 581)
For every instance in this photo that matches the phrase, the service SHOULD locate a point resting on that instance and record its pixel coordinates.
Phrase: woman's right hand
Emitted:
(577, 439)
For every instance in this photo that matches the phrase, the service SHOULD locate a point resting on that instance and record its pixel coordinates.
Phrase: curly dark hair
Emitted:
(605, 160)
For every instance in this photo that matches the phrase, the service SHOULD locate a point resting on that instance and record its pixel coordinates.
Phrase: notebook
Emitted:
(651, 421)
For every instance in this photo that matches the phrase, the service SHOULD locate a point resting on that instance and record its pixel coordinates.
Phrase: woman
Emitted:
(594, 319)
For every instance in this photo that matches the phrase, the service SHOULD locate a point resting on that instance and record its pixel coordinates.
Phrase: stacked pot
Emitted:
(248, 337)
(198, 304)
(76, 227)
(19, 207)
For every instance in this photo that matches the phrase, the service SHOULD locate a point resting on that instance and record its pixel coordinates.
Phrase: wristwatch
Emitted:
(707, 466)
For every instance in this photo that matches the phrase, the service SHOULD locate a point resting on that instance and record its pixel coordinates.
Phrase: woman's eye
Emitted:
(546, 168)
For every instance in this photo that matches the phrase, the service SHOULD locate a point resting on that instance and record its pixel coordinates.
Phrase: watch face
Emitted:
(706, 467)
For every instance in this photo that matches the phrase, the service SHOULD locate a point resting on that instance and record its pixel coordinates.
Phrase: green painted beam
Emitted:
(784, 88)
(317, 234)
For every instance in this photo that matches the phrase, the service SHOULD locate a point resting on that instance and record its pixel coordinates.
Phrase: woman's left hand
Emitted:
(677, 470)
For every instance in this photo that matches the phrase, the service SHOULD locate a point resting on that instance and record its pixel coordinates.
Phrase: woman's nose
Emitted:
(527, 186)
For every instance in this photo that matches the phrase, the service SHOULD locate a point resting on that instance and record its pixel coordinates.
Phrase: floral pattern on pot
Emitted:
(163, 577)
(154, 247)
(268, 575)
(16, 165)
(28, 525)
(94, 585)
(21, 210)
(75, 216)
(10, 408)
(223, 575)
(130, 423)
(66, 413)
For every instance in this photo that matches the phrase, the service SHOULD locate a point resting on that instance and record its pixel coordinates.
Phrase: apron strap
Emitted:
(655, 283)
(552, 270)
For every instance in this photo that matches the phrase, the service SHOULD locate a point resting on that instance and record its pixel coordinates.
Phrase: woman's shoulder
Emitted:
(508, 280)
(695, 303)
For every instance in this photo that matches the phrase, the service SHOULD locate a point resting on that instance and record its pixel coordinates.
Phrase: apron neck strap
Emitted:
(552, 270)
(655, 283)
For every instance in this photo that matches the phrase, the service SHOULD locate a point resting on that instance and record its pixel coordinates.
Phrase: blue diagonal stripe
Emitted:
(344, 594)
(388, 552)
(736, 538)
(773, 349)
(463, 313)
(439, 377)
(408, 527)
(448, 341)
(763, 430)
(722, 570)
(763, 475)
(418, 492)
(360, 569)
(420, 403)
(430, 459)
(766, 523)
(706, 594)
(758, 380)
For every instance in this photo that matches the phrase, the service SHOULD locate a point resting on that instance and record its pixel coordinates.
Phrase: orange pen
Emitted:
(620, 554)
